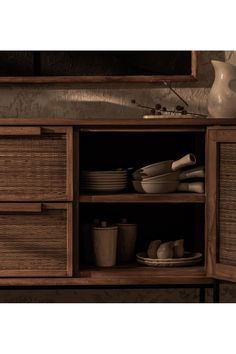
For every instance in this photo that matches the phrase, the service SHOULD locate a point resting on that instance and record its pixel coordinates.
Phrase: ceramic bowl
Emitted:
(138, 186)
(167, 177)
(162, 167)
(155, 187)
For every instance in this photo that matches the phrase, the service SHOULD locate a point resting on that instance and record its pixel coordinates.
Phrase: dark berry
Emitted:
(179, 108)
(184, 112)
(164, 109)
(133, 101)
(158, 106)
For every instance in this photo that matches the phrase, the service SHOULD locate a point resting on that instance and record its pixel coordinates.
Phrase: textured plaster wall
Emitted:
(109, 101)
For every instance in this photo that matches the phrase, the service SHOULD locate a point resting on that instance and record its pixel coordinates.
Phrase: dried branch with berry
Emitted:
(159, 110)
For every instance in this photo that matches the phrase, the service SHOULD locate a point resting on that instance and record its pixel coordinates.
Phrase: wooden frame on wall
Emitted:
(103, 79)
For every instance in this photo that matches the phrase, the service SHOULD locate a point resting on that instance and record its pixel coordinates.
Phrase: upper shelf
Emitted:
(143, 198)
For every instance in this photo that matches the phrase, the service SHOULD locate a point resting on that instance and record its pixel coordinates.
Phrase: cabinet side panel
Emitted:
(227, 204)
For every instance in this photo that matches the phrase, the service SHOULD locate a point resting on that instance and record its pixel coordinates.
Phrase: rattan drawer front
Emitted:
(35, 239)
(227, 203)
(36, 164)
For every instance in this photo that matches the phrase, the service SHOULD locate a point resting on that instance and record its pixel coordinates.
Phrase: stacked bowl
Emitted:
(104, 181)
(161, 177)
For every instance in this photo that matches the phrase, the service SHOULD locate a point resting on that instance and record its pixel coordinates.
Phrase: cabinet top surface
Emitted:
(114, 122)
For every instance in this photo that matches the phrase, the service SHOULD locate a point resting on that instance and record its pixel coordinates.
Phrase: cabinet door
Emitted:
(35, 239)
(36, 163)
(221, 203)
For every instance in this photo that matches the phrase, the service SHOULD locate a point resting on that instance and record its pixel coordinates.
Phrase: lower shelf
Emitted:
(120, 276)
(136, 274)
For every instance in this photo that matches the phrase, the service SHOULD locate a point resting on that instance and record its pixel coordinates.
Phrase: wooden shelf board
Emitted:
(133, 275)
(143, 198)
(125, 122)
(137, 274)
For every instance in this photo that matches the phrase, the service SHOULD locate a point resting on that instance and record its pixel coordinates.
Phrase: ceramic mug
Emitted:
(127, 235)
(104, 244)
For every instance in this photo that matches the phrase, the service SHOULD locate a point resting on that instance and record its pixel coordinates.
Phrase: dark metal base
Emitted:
(216, 292)
(202, 288)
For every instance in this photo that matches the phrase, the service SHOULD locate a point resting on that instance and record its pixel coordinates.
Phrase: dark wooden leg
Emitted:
(216, 292)
(202, 294)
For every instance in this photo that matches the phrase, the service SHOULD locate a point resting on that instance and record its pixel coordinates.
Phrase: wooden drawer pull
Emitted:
(20, 131)
(21, 207)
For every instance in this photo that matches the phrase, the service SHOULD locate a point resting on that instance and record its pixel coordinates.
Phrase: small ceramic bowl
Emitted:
(166, 177)
(155, 187)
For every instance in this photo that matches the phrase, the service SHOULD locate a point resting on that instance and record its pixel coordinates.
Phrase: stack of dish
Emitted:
(104, 181)
(161, 177)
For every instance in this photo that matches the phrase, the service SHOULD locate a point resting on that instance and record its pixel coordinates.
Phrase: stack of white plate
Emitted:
(104, 181)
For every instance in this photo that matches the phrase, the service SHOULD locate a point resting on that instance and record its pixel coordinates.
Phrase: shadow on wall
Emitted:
(106, 100)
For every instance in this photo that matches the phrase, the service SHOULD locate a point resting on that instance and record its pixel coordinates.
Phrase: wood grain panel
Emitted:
(97, 79)
(221, 203)
(123, 122)
(142, 198)
(36, 168)
(36, 244)
(20, 131)
(132, 275)
(227, 203)
(211, 202)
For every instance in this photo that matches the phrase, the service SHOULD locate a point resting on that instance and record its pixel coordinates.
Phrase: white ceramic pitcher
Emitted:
(222, 97)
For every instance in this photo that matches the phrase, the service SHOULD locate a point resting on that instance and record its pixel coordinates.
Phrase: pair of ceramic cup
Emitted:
(113, 244)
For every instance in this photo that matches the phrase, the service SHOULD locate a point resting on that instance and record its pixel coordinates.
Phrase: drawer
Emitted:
(35, 239)
(36, 163)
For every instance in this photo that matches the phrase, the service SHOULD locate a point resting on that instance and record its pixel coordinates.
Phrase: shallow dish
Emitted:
(99, 173)
(190, 258)
(103, 179)
(103, 189)
(101, 183)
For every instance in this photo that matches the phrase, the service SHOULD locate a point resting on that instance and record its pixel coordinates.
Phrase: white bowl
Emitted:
(155, 187)
(138, 187)
(163, 167)
(166, 177)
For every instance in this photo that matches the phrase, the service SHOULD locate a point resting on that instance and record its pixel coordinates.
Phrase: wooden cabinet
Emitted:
(40, 163)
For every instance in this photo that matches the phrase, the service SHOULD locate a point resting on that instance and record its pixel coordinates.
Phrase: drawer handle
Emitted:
(21, 207)
(20, 131)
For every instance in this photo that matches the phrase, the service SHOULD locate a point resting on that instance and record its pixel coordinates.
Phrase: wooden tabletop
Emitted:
(114, 122)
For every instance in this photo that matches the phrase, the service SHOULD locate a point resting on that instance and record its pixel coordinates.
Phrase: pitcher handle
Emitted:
(187, 160)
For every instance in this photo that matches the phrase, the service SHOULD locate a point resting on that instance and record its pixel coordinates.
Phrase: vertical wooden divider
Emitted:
(76, 202)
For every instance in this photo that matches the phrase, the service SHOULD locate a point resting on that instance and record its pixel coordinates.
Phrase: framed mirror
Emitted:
(97, 66)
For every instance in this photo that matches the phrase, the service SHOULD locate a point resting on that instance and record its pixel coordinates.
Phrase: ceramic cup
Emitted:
(127, 235)
(104, 244)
